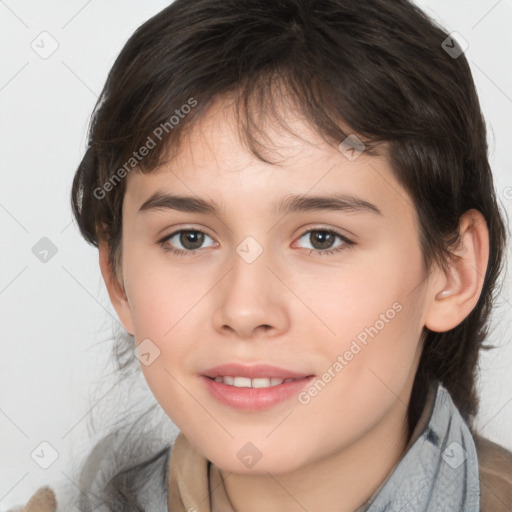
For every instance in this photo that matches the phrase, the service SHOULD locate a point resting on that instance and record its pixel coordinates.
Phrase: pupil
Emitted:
(324, 237)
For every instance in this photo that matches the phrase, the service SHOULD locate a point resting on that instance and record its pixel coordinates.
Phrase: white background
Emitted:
(55, 317)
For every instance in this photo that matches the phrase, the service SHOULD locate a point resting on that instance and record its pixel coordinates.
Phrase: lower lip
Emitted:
(254, 399)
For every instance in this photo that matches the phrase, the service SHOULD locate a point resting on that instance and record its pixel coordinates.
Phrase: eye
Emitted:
(190, 240)
(322, 241)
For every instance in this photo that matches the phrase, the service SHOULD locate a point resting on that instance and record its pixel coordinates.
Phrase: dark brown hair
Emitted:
(377, 67)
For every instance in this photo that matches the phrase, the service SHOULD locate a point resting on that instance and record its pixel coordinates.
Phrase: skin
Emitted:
(288, 308)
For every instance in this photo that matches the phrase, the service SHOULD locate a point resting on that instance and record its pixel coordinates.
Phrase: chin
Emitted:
(248, 460)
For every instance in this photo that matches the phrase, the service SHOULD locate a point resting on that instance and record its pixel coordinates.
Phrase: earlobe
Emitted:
(462, 281)
(115, 289)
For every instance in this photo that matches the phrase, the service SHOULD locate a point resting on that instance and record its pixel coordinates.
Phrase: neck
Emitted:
(343, 481)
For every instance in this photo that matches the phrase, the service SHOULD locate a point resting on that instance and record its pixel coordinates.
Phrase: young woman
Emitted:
(298, 229)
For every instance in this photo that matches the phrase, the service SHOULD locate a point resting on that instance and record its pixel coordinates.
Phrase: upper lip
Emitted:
(252, 372)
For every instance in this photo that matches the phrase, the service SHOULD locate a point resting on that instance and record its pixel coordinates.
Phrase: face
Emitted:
(334, 294)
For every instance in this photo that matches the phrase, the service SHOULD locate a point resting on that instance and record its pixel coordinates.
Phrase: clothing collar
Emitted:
(438, 471)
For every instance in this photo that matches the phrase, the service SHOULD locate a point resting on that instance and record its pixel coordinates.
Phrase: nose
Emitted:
(250, 300)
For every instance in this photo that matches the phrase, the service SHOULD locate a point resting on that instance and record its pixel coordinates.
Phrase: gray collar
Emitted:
(439, 471)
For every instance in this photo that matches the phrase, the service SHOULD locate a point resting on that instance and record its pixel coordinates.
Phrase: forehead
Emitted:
(213, 161)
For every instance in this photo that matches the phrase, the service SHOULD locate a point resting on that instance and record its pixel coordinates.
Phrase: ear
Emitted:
(115, 289)
(458, 288)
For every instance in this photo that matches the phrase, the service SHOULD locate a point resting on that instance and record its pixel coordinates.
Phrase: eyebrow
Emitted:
(289, 204)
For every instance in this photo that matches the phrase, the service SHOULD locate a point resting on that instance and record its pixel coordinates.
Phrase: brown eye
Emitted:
(321, 239)
(322, 242)
(191, 240)
(184, 241)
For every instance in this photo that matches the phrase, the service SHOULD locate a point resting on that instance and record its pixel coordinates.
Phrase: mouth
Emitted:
(245, 382)
(253, 388)
(252, 372)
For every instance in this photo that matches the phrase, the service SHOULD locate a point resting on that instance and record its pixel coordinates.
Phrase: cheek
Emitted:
(374, 314)
(376, 291)
(161, 295)
(165, 304)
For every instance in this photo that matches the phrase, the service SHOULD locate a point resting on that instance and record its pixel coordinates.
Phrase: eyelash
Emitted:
(311, 252)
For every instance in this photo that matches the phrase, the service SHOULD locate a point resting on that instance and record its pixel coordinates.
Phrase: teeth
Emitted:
(245, 382)
(242, 382)
(262, 382)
